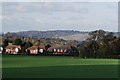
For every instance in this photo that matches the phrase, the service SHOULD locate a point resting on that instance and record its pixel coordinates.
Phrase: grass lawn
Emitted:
(17, 66)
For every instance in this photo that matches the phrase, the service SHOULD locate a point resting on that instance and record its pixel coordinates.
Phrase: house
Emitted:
(36, 49)
(59, 49)
(13, 49)
(1, 49)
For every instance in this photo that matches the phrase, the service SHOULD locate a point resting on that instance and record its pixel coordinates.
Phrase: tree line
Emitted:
(99, 44)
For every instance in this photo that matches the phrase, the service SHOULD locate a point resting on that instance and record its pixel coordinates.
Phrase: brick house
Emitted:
(36, 49)
(13, 49)
(59, 49)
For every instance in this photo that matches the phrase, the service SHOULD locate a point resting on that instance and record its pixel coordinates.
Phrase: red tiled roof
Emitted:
(33, 47)
(13, 46)
(59, 47)
(36, 47)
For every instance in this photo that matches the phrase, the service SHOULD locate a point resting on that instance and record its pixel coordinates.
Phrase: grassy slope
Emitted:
(51, 67)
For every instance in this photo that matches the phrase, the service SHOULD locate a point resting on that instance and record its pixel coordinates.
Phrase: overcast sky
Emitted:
(42, 16)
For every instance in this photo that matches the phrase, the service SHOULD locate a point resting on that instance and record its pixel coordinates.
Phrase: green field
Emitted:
(17, 66)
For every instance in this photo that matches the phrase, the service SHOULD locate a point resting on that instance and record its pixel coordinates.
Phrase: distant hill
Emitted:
(117, 34)
(63, 34)
(77, 37)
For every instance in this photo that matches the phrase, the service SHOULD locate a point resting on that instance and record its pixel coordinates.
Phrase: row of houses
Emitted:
(55, 49)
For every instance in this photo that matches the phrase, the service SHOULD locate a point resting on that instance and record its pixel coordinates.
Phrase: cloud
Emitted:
(59, 15)
(43, 7)
(20, 8)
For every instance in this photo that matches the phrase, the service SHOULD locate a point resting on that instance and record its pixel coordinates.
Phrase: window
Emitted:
(64, 50)
(54, 50)
(41, 50)
(36, 50)
(16, 49)
(58, 50)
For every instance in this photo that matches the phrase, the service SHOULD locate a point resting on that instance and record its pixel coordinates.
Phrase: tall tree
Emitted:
(97, 36)
(26, 45)
(17, 41)
(47, 46)
(92, 47)
(5, 43)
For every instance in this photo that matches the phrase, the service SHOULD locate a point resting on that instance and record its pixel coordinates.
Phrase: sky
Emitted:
(43, 16)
